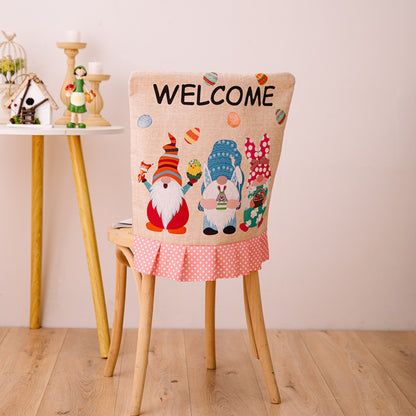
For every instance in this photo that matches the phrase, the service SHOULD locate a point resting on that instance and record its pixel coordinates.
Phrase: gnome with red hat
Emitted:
(167, 208)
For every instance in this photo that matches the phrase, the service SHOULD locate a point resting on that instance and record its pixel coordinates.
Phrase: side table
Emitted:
(84, 204)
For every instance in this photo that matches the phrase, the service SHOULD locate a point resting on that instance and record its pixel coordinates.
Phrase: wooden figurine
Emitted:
(31, 103)
(78, 98)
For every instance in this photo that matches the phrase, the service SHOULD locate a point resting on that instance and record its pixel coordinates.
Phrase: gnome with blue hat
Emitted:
(221, 190)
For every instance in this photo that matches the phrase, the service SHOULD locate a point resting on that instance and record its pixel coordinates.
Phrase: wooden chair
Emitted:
(212, 120)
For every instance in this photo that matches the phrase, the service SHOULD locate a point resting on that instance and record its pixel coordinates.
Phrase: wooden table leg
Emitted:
(37, 218)
(87, 222)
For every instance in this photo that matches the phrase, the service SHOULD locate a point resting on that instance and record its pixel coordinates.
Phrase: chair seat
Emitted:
(120, 236)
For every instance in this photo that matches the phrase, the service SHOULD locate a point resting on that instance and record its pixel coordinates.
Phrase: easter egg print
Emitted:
(261, 78)
(192, 135)
(144, 121)
(211, 78)
(233, 119)
(280, 116)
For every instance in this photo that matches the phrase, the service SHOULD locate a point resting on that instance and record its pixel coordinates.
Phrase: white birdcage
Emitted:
(12, 59)
(12, 64)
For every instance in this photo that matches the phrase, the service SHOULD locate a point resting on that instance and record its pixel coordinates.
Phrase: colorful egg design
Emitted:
(261, 78)
(233, 119)
(280, 116)
(144, 121)
(192, 135)
(211, 78)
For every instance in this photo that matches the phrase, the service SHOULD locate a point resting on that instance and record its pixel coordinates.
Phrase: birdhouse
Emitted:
(31, 104)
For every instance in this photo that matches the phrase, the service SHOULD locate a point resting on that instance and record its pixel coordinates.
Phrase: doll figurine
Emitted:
(78, 98)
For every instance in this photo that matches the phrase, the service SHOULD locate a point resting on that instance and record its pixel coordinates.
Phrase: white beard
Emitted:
(221, 218)
(167, 201)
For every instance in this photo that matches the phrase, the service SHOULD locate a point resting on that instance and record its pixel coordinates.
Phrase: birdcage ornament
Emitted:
(12, 64)
(12, 59)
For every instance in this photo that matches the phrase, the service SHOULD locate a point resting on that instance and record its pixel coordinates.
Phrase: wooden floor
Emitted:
(50, 372)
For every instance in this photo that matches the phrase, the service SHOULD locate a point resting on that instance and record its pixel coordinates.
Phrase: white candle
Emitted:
(95, 68)
(72, 36)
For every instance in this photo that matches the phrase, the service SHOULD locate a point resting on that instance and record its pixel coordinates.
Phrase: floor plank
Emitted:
(232, 388)
(358, 381)
(124, 371)
(3, 333)
(320, 373)
(27, 359)
(77, 386)
(396, 352)
(166, 389)
(302, 388)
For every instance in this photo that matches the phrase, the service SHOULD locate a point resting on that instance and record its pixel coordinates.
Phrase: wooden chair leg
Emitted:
(260, 336)
(143, 341)
(249, 322)
(210, 324)
(128, 256)
(120, 298)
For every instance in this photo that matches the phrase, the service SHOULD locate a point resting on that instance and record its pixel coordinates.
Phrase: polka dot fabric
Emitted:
(200, 263)
(260, 164)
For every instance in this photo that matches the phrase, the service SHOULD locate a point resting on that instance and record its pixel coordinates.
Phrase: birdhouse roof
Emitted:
(39, 83)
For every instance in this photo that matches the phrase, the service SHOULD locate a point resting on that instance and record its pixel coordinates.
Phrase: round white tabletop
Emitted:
(23, 130)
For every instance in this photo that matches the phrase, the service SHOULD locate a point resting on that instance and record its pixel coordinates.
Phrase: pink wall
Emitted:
(343, 213)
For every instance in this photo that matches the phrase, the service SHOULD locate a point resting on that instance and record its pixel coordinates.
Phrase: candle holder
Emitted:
(71, 51)
(97, 104)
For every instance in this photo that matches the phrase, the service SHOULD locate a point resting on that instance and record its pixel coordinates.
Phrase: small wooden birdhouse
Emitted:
(31, 104)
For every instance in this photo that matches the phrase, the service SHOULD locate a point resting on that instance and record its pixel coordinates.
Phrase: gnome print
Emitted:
(167, 208)
(258, 183)
(221, 190)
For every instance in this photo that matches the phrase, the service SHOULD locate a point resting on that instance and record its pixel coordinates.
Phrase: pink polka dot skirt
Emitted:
(199, 263)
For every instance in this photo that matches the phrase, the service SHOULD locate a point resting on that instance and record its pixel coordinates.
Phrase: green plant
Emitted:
(9, 67)
(17, 120)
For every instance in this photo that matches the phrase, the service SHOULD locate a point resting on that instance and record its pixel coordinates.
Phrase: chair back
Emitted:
(204, 152)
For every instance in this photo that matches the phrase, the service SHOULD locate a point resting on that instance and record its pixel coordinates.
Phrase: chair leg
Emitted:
(143, 340)
(210, 324)
(120, 298)
(249, 322)
(260, 336)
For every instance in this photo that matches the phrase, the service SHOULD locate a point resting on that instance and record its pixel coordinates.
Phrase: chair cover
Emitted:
(205, 149)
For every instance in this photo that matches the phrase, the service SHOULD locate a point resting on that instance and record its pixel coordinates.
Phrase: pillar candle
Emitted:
(72, 36)
(95, 68)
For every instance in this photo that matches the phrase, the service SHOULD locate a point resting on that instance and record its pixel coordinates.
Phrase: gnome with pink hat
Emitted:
(167, 208)
(258, 183)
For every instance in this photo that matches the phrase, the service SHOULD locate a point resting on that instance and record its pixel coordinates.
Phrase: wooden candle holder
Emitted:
(97, 104)
(71, 51)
